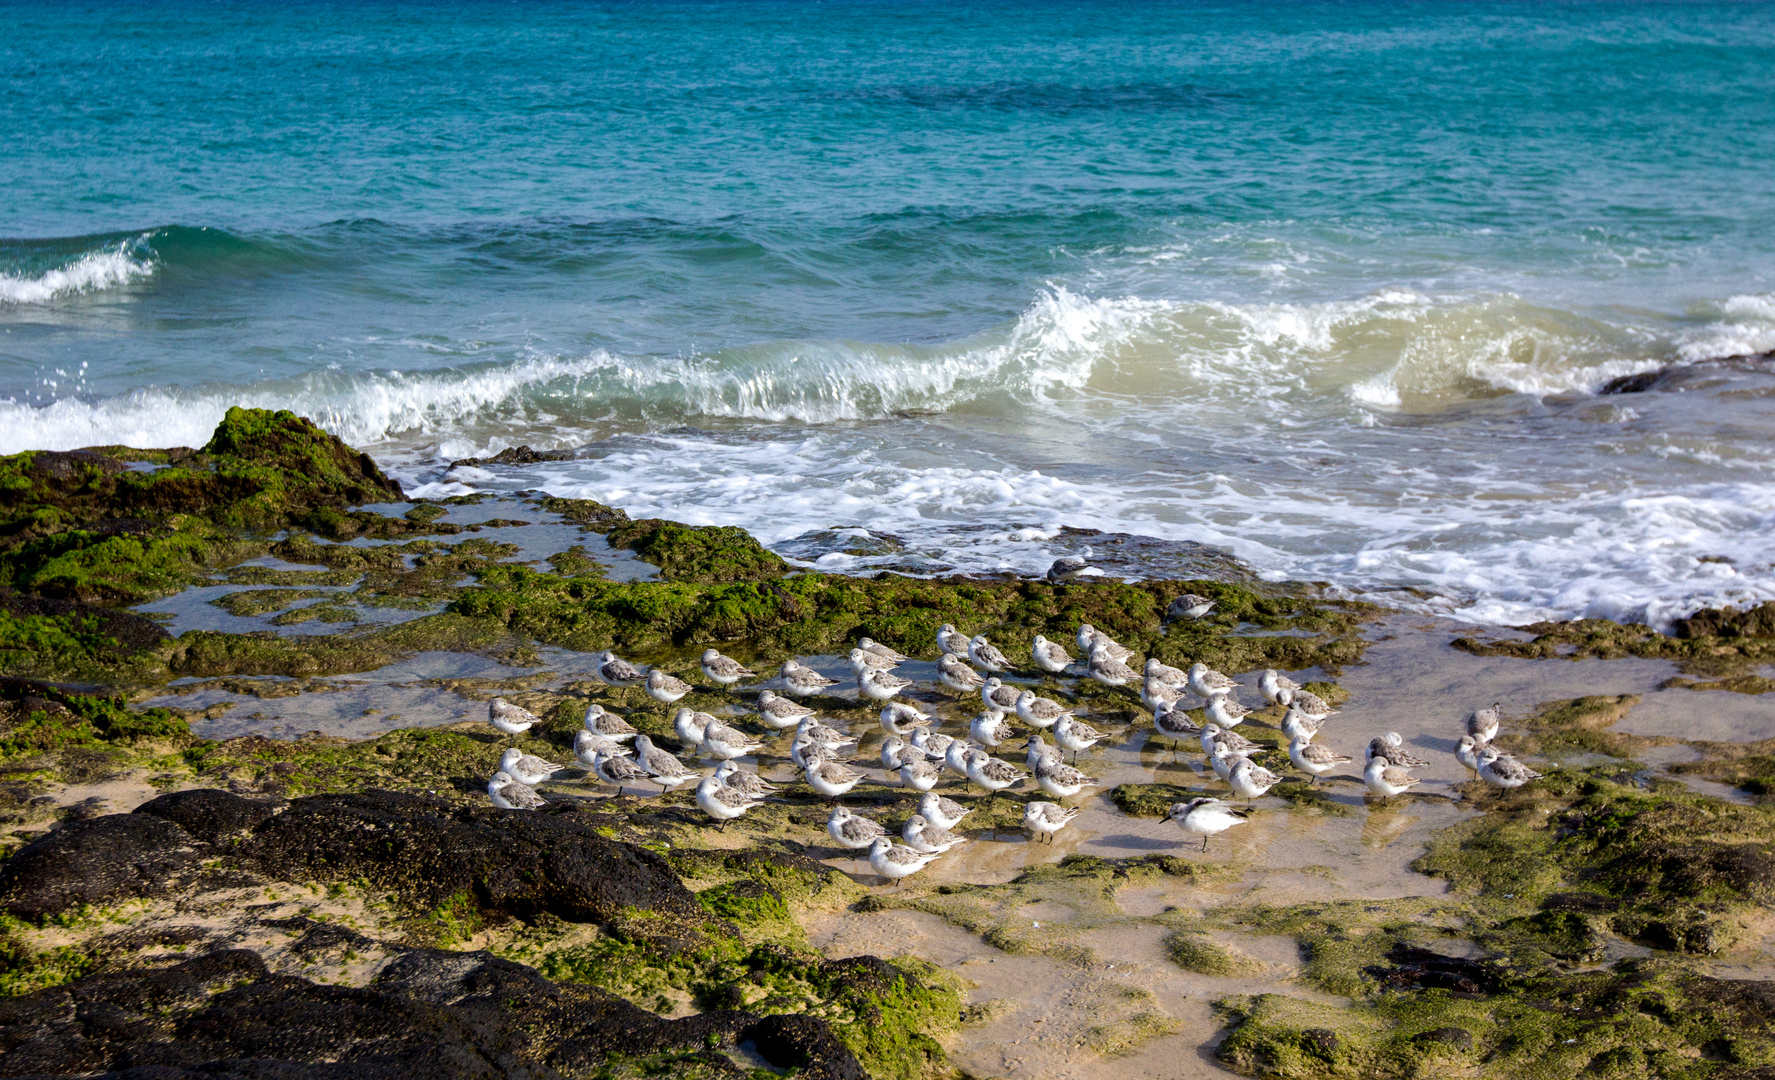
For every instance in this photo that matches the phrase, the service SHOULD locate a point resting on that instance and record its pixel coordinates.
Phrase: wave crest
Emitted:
(91, 272)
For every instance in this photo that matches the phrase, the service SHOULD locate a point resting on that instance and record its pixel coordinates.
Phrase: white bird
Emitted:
(802, 681)
(1165, 673)
(1061, 781)
(1272, 683)
(852, 831)
(1189, 607)
(721, 802)
(1467, 753)
(954, 673)
(779, 712)
(922, 836)
(1036, 750)
(726, 743)
(1392, 747)
(1307, 702)
(1250, 780)
(1223, 759)
(730, 773)
(1109, 671)
(991, 773)
(1049, 656)
(832, 778)
(619, 772)
(1046, 818)
(614, 671)
(952, 643)
(919, 773)
(1226, 712)
(1503, 771)
(898, 718)
(508, 793)
(1206, 817)
(1311, 758)
(1205, 682)
(1385, 780)
(829, 737)
(955, 759)
(1298, 725)
(1090, 638)
(724, 670)
(1039, 712)
(1076, 736)
(895, 861)
(892, 749)
(1213, 735)
(880, 685)
(602, 721)
(1173, 722)
(984, 654)
(1483, 724)
(804, 751)
(667, 771)
(870, 645)
(665, 688)
(862, 661)
(509, 718)
(941, 812)
(688, 725)
(932, 744)
(589, 744)
(1065, 568)
(997, 696)
(990, 728)
(527, 768)
(1155, 694)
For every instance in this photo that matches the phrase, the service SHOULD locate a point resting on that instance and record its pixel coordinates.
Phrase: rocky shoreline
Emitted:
(323, 906)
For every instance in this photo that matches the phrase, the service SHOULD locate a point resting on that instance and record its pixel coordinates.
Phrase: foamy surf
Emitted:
(93, 272)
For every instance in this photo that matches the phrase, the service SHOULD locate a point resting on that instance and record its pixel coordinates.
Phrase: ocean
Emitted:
(936, 287)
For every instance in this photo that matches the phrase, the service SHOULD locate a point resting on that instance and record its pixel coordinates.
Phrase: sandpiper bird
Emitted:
(802, 681)
(919, 773)
(665, 688)
(1109, 671)
(832, 778)
(1061, 781)
(779, 712)
(730, 773)
(1313, 759)
(862, 661)
(1392, 747)
(1046, 818)
(1065, 568)
(870, 645)
(602, 721)
(853, 832)
(1467, 753)
(1226, 712)
(880, 685)
(1089, 637)
(726, 743)
(1307, 702)
(1223, 758)
(1076, 736)
(1206, 817)
(1273, 683)
(951, 642)
(509, 718)
(721, 802)
(1205, 682)
(898, 718)
(895, 861)
(829, 737)
(619, 772)
(527, 768)
(991, 773)
(1385, 780)
(615, 671)
(1037, 750)
(724, 670)
(1503, 771)
(1173, 723)
(1483, 724)
(990, 728)
(1250, 780)
(892, 750)
(920, 835)
(1049, 656)
(1165, 673)
(985, 654)
(589, 744)
(1298, 725)
(688, 725)
(941, 812)
(955, 759)
(954, 673)
(804, 751)
(1213, 735)
(1189, 607)
(997, 696)
(508, 793)
(1039, 712)
(667, 771)
(932, 744)
(1155, 694)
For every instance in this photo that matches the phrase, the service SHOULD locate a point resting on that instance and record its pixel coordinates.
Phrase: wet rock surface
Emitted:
(101, 861)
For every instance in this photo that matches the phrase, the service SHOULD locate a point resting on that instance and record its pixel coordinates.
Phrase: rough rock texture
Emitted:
(209, 815)
(100, 861)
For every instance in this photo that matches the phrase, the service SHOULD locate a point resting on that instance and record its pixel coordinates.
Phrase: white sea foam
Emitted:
(91, 272)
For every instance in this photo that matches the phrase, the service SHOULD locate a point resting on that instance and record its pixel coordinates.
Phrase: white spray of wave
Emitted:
(90, 273)
(1745, 326)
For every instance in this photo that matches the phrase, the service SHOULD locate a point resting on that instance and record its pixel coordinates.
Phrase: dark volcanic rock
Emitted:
(1415, 969)
(804, 1042)
(132, 633)
(100, 861)
(1726, 622)
(209, 814)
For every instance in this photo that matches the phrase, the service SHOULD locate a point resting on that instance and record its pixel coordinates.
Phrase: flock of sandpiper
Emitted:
(921, 756)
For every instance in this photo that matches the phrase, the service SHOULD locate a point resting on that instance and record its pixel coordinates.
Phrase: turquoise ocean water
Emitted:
(1330, 284)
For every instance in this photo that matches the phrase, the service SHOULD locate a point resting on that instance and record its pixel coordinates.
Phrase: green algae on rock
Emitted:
(1727, 644)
